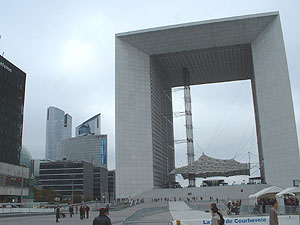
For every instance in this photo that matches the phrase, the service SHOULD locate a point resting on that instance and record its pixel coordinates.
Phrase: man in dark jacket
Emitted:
(57, 214)
(87, 210)
(102, 219)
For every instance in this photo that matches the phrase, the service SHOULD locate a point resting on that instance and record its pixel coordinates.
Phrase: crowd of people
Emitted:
(234, 207)
(218, 219)
(83, 211)
(291, 201)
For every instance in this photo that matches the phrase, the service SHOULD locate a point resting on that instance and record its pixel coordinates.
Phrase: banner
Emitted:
(264, 220)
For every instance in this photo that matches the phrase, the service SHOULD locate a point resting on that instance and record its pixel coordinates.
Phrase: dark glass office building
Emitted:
(74, 177)
(12, 89)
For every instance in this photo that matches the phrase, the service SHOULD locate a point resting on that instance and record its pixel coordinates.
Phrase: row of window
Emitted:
(12, 113)
(61, 171)
(61, 165)
(13, 79)
(9, 154)
(13, 181)
(60, 177)
(10, 90)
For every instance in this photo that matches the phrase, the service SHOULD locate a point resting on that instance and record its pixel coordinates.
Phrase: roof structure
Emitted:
(207, 166)
(289, 191)
(266, 191)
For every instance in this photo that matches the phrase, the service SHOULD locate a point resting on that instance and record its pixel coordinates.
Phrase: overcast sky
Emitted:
(67, 50)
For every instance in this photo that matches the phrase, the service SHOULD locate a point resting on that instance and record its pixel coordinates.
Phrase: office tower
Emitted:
(12, 90)
(58, 127)
(89, 147)
(91, 126)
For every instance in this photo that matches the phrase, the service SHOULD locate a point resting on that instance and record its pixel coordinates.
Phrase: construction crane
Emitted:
(188, 122)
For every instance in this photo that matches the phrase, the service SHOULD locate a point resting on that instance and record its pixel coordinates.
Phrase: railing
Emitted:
(250, 209)
(26, 210)
(135, 218)
(149, 223)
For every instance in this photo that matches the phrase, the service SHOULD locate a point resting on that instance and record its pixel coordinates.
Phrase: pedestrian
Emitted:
(87, 210)
(217, 217)
(102, 219)
(237, 207)
(57, 214)
(273, 214)
(71, 210)
(83, 207)
(81, 212)
(107, 209)
(62, 212)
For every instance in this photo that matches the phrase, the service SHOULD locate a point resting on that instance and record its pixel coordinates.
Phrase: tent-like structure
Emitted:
(268, 192)
(295, 191)
(206, 166)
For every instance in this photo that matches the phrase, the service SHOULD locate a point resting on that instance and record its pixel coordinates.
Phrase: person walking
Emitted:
(217, 217)
(107, 209)
(102, 219)
(81, 212)
(87, 210)
(62, 212)
(57, 214)
(71, 210)
(83, 207)
(273, 214)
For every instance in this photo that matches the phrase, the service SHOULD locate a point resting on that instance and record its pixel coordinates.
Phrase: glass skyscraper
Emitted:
(12, 89)
(91, 126)
(58, 127)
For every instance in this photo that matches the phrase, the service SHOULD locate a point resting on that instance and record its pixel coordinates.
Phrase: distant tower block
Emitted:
(188, 122)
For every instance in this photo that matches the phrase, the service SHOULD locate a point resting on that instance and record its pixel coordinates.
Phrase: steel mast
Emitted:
(188, 122)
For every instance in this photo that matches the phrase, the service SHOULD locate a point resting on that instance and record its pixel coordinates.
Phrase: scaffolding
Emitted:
(188, 122)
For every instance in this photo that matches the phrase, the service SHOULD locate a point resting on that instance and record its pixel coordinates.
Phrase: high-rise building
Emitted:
(92, 148)
(12, 89)
(111, 185)
(91, 126)
(59, 127)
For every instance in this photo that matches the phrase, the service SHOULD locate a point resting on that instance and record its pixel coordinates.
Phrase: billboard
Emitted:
(103, 151)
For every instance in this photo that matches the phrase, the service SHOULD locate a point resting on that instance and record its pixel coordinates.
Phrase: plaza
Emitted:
(176, 211)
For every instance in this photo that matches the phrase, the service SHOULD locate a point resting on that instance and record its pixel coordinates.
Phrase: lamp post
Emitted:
(22, 184)
(72, 191)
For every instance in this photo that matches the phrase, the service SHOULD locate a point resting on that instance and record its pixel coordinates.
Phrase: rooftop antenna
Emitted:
(0, 45)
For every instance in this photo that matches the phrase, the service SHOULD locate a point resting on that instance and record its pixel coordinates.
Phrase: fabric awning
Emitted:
(269, 190)
(207, 166)
(288, 191)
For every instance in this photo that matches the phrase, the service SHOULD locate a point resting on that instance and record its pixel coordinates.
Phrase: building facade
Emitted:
(91, 126)
(239, 48)
(14, 183)
(12, 91)
(89, 147)
(100, 185)
(111, 185)
(74, 177)
(58, 127)
(67, 178)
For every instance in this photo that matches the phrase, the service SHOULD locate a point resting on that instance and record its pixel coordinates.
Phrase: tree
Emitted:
(77, 198)
(45, 195)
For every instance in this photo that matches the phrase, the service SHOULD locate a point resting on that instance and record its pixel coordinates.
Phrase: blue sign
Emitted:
(103, 152)
(250, 220)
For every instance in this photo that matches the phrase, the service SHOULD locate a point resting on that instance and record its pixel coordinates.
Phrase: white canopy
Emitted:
(269, 190)
(288, 191)
(207, 166)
